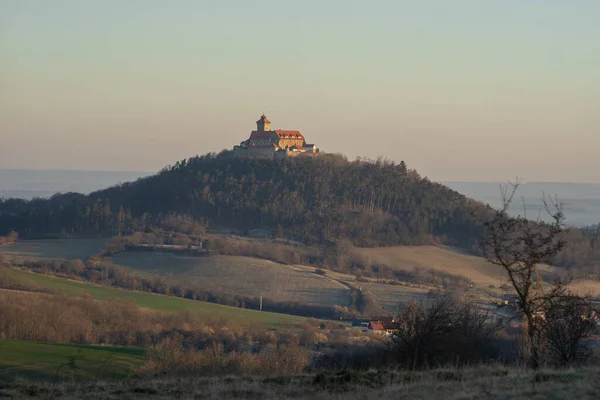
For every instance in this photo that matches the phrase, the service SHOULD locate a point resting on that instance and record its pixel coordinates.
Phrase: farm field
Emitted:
(53, 248)
(392, 296)
(389, 296)
(35, 360)
(446, 259)
(438, 258)
(148, 300)
(244, 276)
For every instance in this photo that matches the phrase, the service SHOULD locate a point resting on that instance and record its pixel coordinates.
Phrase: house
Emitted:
(509, 300)
(280, 142)
(588, 313)
(384, 325)
(377, 327)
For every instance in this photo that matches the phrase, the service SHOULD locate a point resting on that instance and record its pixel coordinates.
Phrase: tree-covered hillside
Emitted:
(318, 200)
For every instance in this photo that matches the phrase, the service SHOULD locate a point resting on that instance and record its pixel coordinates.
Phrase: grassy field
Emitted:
(452, 384)
(392, 296)
(148, 300)
(53, 248)
(49, 361)
(438, 258)
(244, 276)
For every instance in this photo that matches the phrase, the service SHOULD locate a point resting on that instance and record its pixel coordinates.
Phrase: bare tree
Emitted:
(443, 330)
(519, 246)
(421, 330)
(568, 320)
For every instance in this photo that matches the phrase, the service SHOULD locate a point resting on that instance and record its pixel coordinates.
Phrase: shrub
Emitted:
(443, 331)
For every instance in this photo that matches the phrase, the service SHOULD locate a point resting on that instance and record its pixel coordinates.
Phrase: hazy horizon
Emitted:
(464, 91)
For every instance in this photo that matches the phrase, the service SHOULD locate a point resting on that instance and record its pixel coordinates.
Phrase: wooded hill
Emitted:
(316, 200)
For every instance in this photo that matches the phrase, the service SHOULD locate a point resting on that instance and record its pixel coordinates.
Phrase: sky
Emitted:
(462, 90)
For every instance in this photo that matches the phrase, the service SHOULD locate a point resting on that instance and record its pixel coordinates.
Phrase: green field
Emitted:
(245, 276)
(147, 300)
(53, 248)
(49, 361)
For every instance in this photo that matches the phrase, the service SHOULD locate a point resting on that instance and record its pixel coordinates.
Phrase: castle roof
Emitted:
(263, 118)
(281, 133)
(261, 135)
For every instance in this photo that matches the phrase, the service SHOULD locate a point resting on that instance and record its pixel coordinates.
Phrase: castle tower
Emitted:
(263, 124)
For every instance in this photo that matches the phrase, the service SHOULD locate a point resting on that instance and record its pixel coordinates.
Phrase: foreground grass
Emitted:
(43, 361)
(147, 300)
(480, 383)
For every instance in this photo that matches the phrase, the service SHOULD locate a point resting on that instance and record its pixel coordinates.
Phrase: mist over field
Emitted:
(28, 184)
(581, 201)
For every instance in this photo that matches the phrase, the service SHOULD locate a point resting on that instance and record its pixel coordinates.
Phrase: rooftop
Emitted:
(264, 119)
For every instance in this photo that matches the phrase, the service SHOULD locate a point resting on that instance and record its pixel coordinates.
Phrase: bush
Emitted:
(444, 331)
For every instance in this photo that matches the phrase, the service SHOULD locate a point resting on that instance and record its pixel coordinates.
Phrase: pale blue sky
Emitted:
(460, 90)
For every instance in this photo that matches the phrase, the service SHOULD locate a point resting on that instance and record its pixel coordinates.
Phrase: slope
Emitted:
(147, 300)
(48, 361)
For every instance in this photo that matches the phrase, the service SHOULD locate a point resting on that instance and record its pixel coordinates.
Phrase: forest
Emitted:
(318, 201)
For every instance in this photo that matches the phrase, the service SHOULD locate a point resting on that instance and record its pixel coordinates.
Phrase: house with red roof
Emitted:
(279, 142)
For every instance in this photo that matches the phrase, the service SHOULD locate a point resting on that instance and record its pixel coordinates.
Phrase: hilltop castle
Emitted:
(264, 141)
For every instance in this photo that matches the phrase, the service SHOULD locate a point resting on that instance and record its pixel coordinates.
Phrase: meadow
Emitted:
(147, 300)
(253, 277)
(245, 276)
(485, 382)
(446, 259)
(67, 249)
(45, 361)
(438, 258)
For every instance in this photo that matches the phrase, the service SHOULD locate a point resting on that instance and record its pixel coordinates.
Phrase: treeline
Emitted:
(592, 231)
(317, 200)
(103, 272)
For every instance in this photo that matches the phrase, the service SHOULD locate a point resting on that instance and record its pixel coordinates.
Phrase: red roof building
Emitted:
(376, 326)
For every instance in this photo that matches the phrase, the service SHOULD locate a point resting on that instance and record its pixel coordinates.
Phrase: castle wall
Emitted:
(288, 142)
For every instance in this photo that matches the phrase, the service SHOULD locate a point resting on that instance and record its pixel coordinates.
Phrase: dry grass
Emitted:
(243, 276)
(453, 261)
(480, 383)
(438, 258)
(391, 296)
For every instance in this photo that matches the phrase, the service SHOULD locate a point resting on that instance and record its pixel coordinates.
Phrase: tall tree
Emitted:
(519, 246)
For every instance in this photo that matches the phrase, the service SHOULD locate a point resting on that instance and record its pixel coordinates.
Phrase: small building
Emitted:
(376, 326)
(509, 300)
(384, 325)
